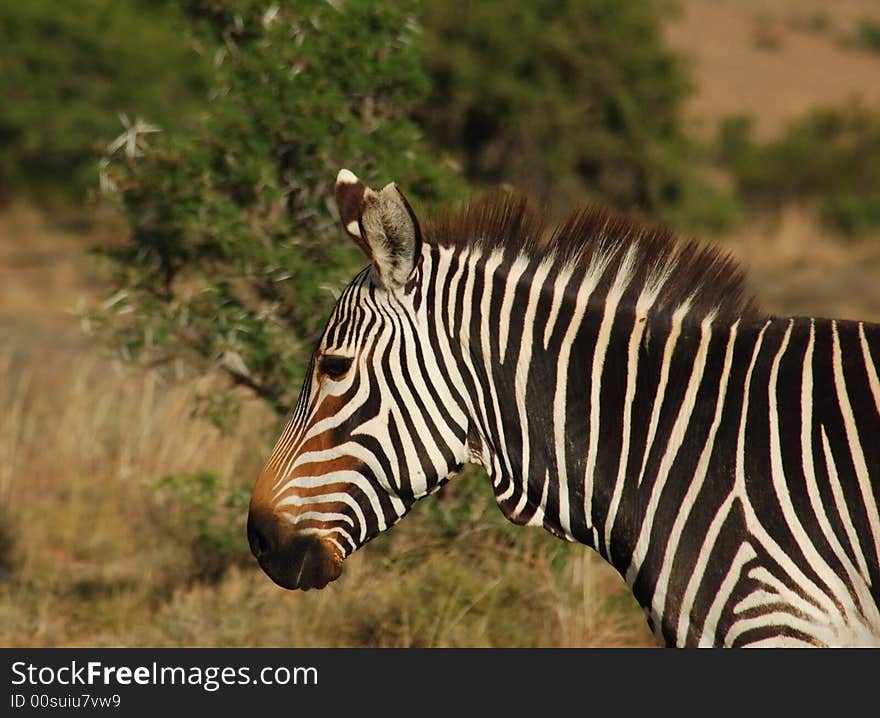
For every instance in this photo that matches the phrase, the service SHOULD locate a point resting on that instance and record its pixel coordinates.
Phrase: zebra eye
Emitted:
(335, 367)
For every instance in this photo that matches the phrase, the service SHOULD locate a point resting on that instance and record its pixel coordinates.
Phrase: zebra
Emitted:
(621, 389)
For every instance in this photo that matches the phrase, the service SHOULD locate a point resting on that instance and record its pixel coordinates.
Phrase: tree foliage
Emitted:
(235, 253)
(568, 98)
(68, 69)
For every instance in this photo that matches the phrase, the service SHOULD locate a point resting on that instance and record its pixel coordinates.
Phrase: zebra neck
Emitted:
(572, 396)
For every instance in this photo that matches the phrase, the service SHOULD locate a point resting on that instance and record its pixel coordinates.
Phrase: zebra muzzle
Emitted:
(293, 561)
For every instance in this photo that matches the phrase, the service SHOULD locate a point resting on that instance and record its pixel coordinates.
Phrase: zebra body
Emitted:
(620, 393)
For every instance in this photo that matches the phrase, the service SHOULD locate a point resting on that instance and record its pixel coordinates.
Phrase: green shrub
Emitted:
(830, 155)
(67, 71)
(851, 212)
(235, 254)
(866, 35)
(571, 100)
(206, 515)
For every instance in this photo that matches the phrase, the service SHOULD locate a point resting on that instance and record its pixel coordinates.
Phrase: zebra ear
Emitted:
(383, 224)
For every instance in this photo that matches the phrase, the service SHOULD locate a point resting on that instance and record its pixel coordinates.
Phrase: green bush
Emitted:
(852, 213)
(206, 515)
(830, 155)
(235, 253)
(569, 99)
(866, 36)
(67, 71)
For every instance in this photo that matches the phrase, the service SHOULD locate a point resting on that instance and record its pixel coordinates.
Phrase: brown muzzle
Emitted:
(290, 559)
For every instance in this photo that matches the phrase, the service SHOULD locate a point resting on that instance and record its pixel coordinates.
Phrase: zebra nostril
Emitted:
(258, 534)
(259, 545)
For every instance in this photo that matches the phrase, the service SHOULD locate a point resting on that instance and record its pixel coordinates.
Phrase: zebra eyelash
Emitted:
(334, 366)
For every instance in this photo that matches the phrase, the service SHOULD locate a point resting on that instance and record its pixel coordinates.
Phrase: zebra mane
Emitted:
(708, 278)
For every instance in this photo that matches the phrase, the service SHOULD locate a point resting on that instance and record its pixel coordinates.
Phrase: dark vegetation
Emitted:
(866, 35)
(829, 156)
(67, 72)
(589, 107)
(203, 513)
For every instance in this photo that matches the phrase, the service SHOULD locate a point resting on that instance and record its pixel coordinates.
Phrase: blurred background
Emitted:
(169, 254)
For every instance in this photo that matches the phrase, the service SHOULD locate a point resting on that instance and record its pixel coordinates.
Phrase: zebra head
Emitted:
(374, 429)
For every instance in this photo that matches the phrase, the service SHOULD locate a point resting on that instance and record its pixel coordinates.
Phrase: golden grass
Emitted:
(80, 443)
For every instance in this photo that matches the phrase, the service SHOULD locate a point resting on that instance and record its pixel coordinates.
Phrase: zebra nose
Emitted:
(261, 533)
(290, 559)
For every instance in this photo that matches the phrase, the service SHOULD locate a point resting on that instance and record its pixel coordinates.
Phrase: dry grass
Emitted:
(80, 445)
(762, 59)
(776, 60)
(45, 273)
